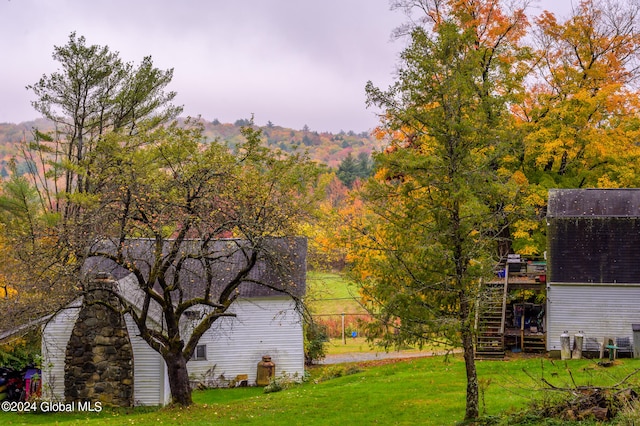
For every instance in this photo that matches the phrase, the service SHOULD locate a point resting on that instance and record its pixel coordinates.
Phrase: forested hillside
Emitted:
(323, 147)
(12, 135)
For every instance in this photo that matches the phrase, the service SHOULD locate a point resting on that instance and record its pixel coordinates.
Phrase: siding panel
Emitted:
(265, 326)
(55, 336)
(598, 310)
(150, 382)
(269, 326)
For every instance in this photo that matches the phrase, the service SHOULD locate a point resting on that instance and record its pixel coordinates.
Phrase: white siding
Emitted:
(268, 326)
(55, 336)
(150, 378)
(150, 382)
(598, 310)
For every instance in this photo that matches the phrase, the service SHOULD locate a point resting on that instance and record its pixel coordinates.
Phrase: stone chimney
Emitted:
(99, 357)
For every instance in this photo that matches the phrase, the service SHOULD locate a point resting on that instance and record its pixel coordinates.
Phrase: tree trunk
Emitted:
(472, 410)
(178, 379)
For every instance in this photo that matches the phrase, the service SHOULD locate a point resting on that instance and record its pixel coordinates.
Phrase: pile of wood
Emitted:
(588, 402)
(591, 402)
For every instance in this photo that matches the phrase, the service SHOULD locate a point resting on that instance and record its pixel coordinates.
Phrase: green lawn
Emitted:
(427, 391)
(360, 344)
(330, 293)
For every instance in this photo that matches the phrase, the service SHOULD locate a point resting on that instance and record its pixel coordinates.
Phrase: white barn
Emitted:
(267, 322)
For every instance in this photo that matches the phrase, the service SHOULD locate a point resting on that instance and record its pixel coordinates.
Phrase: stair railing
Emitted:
(504, 301)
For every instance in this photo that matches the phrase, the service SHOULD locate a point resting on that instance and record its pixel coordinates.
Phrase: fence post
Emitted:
(344, 338)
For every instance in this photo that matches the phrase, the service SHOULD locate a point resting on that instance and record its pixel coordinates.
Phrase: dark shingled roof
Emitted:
(281, 265)
(594, 202)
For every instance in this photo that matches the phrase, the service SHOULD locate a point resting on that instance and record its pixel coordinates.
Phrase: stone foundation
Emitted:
(99, 357)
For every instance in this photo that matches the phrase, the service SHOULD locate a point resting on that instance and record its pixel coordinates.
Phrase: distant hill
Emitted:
(11, 135)
(323, 147)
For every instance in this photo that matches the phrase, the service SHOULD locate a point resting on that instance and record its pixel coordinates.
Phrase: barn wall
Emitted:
(55, 336)
(598, 310)
(150, 382)
(235, 345)
(268, 326)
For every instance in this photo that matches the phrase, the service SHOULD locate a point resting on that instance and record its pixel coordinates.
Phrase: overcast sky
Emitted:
(291, 62)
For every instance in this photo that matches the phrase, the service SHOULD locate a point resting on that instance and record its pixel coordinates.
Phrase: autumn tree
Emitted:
(580, 109)
(328, 228)
(35, 266)
(439, 198)
(93, 94)
(120, 185)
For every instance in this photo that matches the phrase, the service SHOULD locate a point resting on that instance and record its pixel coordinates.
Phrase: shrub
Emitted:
(283, 382)
(315, 337)
(338, 370)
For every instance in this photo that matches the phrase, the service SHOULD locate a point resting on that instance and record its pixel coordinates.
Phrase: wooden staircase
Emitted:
(534, 343)
(490, 321)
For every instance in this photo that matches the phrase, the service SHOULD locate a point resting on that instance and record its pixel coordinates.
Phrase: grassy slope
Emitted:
(424, 391)
(330, 293)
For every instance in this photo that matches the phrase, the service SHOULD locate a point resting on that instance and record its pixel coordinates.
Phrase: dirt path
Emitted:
(373, 356)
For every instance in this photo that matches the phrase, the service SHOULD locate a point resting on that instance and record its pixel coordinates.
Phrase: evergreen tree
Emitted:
(438, 200)
(94, 93)
(365, 165)
(348, 171)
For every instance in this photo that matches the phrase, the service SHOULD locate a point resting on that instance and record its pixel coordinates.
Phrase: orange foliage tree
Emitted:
(579, 115)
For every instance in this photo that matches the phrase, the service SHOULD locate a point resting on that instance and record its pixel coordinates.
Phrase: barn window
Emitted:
(200, 354)
(193, 315)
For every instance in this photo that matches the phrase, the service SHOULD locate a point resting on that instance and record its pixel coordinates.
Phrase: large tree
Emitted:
(118, 186)
(165, 201)
(180, 196)
(34, 265)
(93, 93)
(440, 199)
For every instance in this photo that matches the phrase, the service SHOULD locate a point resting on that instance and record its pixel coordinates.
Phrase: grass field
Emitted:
(332, 299)
(336, 346)
(330, 293)
(426, 391)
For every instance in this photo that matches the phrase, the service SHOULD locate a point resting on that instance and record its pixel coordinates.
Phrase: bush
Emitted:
(315, 337)
(338, 370)
(283, 382)
(20, 352)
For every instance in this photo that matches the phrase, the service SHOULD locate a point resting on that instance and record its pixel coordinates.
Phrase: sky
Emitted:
(291, 62)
